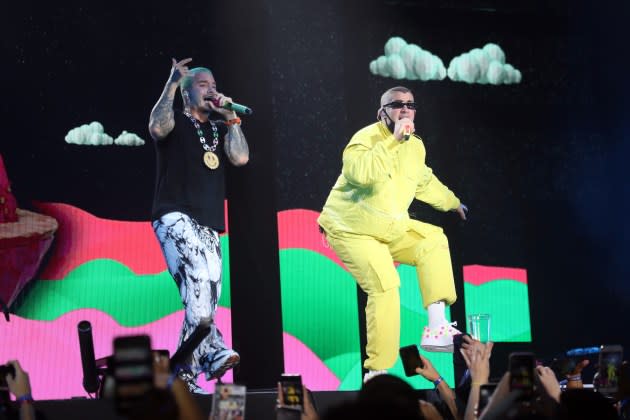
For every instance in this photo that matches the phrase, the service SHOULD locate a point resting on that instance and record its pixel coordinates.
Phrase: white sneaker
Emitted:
(372, 373)
(439, 339)
(222, 361)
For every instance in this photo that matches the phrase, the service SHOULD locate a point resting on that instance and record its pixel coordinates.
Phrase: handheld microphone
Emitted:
(232, 106)
(86, 346)
(407, 133)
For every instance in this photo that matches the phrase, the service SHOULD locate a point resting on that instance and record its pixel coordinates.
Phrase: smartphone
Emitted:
(410, 359)
(228, 402)
(485, 392)
(521, 369)
(292, 391)
(610, 358)
(132, 370)
(4, 371)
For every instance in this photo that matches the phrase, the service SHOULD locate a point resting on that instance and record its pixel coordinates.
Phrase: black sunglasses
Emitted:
(399, 104)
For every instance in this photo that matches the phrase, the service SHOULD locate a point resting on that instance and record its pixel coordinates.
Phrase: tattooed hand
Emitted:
(179, 70)
(161, 120)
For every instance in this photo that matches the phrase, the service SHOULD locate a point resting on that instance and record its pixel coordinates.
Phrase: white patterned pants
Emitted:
(193, 256)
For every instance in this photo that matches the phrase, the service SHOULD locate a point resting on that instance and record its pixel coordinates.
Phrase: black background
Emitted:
(540, 164)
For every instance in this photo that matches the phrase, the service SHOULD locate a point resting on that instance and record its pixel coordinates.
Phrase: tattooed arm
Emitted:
(162, 119)
(236, 147)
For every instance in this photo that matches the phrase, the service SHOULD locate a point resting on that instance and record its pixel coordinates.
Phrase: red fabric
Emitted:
(8, 204)
(19, 265)
(23, 245)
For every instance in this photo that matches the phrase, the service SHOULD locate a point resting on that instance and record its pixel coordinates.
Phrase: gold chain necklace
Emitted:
(210, 159)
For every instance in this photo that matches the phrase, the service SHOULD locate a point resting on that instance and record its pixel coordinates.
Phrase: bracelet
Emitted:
(438, 381)
(233, 121)
(575, 378)
(26, 398)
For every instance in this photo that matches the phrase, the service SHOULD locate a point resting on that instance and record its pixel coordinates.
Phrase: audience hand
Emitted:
(547, 379)
(161, 370)
(500, 394)
(624, 381)
(470, 345)
(20, 385)
(575, 376)
(309, 412)
(309, 409)
(448, 396)
(428, 372)
(477, 356)
(429, 411)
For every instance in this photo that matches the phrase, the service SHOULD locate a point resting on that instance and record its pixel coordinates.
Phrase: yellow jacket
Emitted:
(379, 179)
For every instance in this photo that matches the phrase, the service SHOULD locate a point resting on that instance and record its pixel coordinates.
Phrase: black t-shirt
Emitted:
(183, 182)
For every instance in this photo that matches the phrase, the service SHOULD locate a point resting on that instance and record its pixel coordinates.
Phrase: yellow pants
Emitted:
(371, 263)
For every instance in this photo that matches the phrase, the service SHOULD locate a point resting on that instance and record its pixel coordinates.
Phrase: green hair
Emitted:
(187, 81)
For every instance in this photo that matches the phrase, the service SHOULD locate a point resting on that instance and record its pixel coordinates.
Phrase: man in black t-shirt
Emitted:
(193, 146)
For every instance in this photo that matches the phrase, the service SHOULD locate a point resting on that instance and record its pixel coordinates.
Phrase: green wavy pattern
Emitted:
(350, 363)
(319, 302)
(353, 380)
(319, 306)
(111, 287)
(413, 319)
(507, 302)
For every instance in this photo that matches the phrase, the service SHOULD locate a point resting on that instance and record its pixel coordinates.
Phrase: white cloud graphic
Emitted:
(128, 139)
(93, 134)
(407, 61)
(483, 65)
(90, 135)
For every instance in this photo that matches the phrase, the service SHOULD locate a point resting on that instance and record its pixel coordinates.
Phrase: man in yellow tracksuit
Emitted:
(367, 224)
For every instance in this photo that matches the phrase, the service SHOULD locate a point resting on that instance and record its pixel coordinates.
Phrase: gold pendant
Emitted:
(211, 160)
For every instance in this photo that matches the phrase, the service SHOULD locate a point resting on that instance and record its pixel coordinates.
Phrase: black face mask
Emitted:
(387, 121)
(390, 126)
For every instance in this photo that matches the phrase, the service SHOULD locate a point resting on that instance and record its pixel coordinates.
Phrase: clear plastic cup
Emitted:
(479, 327)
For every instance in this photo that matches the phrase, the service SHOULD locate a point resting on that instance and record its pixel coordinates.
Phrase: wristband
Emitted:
(26, 398)
(233, 121)
(575, 378)
(438, 381)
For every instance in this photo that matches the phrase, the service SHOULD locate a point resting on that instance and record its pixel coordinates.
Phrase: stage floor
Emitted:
(260, 405)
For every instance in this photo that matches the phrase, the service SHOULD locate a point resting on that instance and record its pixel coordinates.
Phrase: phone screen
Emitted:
(228, 402)
(410, 358)
(610, 358)
(485, 392)
(132, 369)
(522, 373)
(292, 391)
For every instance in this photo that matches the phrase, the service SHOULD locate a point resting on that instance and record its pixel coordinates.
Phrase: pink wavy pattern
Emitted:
(82, 237)
(298, 228)
(49, 350)
(480, 274)
(298, 358)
